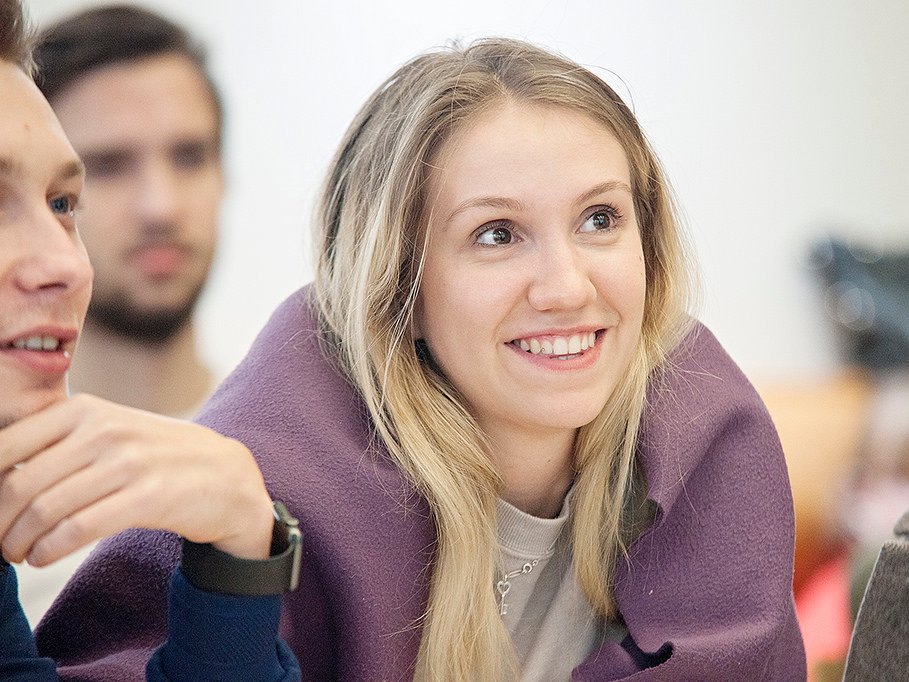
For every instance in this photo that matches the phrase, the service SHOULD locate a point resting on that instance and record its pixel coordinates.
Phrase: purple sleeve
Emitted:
(111, 616)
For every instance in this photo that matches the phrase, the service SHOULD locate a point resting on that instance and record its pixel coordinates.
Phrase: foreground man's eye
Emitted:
(64, 205)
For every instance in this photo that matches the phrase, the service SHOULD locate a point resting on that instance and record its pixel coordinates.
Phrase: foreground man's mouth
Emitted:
(38, 351)
(41, 343)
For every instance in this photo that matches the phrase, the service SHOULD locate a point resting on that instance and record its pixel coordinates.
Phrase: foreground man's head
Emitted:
(45, 276)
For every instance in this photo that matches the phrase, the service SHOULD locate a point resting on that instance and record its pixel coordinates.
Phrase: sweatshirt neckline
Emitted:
(528, 536)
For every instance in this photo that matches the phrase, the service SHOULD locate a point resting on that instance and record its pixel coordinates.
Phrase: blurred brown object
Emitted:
(822, 424)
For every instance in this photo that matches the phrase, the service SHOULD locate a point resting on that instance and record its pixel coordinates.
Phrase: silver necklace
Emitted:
(504, 585)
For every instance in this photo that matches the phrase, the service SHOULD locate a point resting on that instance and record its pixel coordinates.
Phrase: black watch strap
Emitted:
(212, 570)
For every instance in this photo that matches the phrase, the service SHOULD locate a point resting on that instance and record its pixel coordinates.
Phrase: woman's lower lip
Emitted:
(48, 363)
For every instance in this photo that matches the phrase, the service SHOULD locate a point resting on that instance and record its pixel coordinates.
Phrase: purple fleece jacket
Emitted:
(706, 593)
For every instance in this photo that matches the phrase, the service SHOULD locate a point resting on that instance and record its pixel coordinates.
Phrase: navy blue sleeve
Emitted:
(221, 637)
(19, 658)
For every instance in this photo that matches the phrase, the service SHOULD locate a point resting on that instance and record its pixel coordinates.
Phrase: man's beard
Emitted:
(153, 327)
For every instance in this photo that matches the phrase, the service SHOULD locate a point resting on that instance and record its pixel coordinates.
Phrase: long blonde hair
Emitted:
(370, 239)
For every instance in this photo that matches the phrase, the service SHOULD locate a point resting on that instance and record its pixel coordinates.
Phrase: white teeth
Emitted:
(48, 343)
(562, 347)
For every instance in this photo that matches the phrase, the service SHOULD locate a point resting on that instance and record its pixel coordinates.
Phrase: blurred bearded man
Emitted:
(132, 93)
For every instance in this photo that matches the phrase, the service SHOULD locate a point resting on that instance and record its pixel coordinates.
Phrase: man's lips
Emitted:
(159, 260)
(46, 351)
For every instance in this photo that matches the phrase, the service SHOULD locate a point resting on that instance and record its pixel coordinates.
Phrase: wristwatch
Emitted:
(212, 570)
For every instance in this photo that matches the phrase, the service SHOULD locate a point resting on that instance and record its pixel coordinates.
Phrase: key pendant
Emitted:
(502, 587)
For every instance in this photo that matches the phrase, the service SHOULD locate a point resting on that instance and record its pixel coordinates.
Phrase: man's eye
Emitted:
(495, 236)
(62, 205)
(108, 165)
(190, 155)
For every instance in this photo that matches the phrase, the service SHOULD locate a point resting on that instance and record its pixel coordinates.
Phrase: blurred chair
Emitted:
(880, 641)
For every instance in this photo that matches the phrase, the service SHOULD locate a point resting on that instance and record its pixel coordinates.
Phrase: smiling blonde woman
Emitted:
(512, 451)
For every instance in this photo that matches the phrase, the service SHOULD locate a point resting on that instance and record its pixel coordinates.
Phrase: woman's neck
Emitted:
(537, 467)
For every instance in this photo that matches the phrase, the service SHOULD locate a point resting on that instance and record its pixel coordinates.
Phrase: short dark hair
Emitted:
(15, 36)
(101, 36)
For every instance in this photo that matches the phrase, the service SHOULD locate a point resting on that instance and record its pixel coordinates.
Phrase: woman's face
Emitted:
(533, 287)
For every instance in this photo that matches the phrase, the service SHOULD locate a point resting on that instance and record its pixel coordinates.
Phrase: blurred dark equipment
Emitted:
(867, 296)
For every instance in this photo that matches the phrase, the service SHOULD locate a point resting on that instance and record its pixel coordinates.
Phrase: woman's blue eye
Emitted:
(64, 205)
(600, 220)
(495, 236)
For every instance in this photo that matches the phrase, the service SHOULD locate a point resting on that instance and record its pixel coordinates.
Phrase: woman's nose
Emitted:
(561, 279)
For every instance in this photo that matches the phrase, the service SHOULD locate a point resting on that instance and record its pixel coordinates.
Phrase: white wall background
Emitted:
(777, 121)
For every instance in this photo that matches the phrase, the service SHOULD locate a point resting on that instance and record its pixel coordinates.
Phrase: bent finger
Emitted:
(51, 507)
(107, 516)
(21, 485)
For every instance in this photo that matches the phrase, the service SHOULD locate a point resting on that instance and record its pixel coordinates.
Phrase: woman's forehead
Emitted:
(510, 145)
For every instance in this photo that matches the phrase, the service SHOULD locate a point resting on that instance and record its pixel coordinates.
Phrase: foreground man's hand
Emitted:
(85, 468)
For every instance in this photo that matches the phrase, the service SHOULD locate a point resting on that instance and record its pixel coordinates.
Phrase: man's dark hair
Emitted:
(15, 36)
(69, 49)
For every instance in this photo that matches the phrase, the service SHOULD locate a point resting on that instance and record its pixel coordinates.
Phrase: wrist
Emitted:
(255, 539)
(214, 570)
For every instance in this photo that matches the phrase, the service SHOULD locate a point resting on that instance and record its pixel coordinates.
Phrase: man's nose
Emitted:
(53, 260)
(158, 193)
(561, 278)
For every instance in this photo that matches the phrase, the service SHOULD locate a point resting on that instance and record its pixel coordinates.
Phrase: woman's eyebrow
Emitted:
(604, 188)
(485, 202)
(515, 205)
